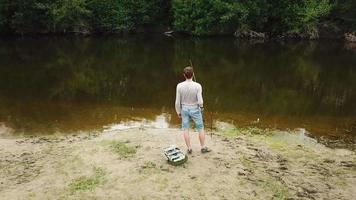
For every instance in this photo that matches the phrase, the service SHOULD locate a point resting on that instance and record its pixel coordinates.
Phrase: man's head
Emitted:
(188, 72)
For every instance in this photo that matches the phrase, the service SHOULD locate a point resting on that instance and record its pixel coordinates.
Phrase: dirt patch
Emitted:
(130, 164)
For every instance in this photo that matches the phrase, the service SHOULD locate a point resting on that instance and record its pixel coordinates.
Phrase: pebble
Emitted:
(347, 164)
(329, 161)
(241, 174)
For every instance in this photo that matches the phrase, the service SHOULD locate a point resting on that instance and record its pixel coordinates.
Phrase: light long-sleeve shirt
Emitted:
(189, 93)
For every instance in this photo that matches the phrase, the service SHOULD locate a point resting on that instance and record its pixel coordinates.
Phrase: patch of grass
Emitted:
(290, 149)
(339, 178)
(255, 130)
(276, 143)
(246, 162)
(230, 133)
(273, 141)
(279, 191)
(121, 148)
(31, 195)
(149, 164)
(88, 183)
(148, 168)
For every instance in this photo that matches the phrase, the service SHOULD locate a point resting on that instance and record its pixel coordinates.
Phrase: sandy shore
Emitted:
(129, 164)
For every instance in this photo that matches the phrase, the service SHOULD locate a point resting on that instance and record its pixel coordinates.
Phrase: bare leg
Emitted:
(202, 138)
(187, 138)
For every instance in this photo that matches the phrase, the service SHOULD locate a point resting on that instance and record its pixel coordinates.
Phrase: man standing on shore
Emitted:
(189, 105)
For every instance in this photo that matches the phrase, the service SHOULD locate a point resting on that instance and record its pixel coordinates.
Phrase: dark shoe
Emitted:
(205, 150)
(189, 151)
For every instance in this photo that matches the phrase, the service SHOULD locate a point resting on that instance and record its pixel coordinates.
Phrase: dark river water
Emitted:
(66, 85)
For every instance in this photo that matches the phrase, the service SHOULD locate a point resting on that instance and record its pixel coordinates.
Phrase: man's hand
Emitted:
(179, 115)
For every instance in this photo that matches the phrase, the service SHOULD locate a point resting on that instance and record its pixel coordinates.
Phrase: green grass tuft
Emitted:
(122, 149)
(230, 133)
(246, 162)
(88, 183)
(276, 143)
(278, 189)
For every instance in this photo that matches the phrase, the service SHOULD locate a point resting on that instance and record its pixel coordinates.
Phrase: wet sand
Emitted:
(129, 164)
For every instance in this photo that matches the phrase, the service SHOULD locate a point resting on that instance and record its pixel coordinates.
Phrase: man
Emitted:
(189, 105)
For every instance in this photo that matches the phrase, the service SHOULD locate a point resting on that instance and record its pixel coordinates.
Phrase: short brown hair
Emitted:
(188, 72)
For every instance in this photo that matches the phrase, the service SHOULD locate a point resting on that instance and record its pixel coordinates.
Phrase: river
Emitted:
(51, 85)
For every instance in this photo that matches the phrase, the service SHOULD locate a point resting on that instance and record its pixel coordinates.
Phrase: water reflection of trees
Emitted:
(304, 78)
(125, 71)
(292, 78)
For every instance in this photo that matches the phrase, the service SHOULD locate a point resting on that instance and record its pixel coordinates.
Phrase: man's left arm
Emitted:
(200, 97)
(178, 102)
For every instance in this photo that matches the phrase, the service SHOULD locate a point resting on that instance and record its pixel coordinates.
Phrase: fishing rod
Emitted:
(191, 64)
(211, 113)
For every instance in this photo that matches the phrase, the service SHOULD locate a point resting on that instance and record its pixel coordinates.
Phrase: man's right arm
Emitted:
(178, 103)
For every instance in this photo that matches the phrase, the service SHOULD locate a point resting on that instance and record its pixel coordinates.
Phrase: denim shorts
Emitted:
(195, 115)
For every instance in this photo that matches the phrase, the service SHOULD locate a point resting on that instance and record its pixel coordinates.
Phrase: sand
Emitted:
(129, 164)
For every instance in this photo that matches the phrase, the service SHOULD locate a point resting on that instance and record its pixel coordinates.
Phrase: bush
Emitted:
(197, 17)
(70, 15)
(208, 17)
(2, 17)
(46, 16)
(124, 16)
(345, 12)
(258, 14)
(30, 16)
(110, 16)
(296, 16)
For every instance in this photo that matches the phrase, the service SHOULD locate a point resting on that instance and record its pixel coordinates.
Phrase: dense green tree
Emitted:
(345, 12)
(70, 15)
(124, 16)
(107, 16)
(205, 17)
(2, 17)
(45, 16)
(197, 17)
(296, 16)
(30, 16)
(258, 12)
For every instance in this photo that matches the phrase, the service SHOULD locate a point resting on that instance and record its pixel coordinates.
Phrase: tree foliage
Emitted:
(27, 16)
(218, 16)
(2, 17)
(70, 15)
(198, 17)
(205, 17)
(124, 15)
(57, 16)
(294, 16)
(345, 12)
